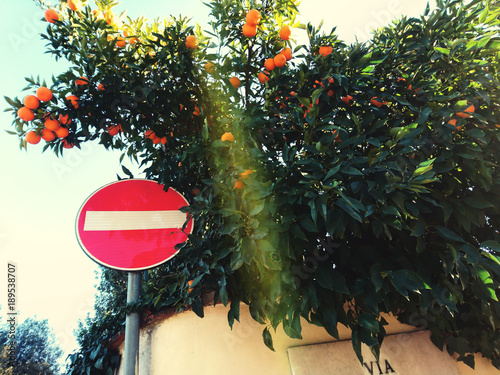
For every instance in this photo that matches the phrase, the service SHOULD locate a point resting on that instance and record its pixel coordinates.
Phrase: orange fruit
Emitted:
(287, 52)
(453, 122)
(73, 99)
(51, 125)
(467, 112)
(209, 67)
(25, 114)
(65, 120)
(269, 64)
(32, 137)
(249, 30)
(191, 42)
(150, 134)
(237, 184)
(263, 77)
(47, 135)
(100, 87)
(114, 129)
(227, 137)
(156, 140)
(133, 40)
(346, 99)
(246, 173)
(51, 15)
(82, 81)
(31, 102)
(62, 132)
(336, 133)
(74, 4)
(285, 32)
(253, 17)
(43, 94)
(325, 50)
(235, 81)
(120, 42)
(377, 102)
(163, 140)
(67, 144)
(279, 60)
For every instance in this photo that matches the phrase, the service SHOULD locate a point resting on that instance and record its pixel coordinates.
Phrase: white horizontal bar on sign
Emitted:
(133, 220)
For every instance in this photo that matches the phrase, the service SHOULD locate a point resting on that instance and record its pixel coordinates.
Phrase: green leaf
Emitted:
(268, 339)
(448, 234)
(369, 322)
(444, 51)
(423, 167)
(477, 202)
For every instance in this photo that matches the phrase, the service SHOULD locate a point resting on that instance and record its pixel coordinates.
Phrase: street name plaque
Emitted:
(401, 354)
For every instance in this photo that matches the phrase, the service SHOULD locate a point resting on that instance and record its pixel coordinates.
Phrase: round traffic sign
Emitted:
(132, 225)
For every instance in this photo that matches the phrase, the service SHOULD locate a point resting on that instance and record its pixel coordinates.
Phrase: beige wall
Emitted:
(185, 344)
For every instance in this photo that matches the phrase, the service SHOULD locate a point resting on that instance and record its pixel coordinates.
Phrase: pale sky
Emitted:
(40, 194)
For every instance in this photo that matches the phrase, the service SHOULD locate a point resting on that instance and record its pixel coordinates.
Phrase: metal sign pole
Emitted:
(132, 325)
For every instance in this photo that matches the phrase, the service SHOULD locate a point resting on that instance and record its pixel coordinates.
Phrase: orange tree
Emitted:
(330, 183)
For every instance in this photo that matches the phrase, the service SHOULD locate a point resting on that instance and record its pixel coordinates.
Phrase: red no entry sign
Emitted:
(132, 225)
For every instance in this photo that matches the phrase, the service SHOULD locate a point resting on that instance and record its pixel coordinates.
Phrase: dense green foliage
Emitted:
(356, 206)
(36, 350)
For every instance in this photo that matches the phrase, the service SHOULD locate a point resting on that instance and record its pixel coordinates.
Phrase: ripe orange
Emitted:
(150, 134)
(43, 94)
(249, 30)
(269, 64)
(235, 81)
(191, 42)
(190, 282)
(346, 99)
(156, 140)
(51, 125)
(163, 140)
(285, 32)
(325, 50)
(31, 102)
(74, 4)
(279, 60)
(47, 135)
(51, 15)
(82, 81)
(62, 132)
(377, 102)
(209, 67)
(133, 40)
(32, 137)
(263, 77)
(67, 144)
(237, 184)
(336, 133)
(467, 112)
(227, 137)
(100, 87)
(114, 129)
(453, 122)
(65, 120)
(287, 52)
(253, 17)
(25, 114)
(246, 173)
(73, 99)
(120, 42)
